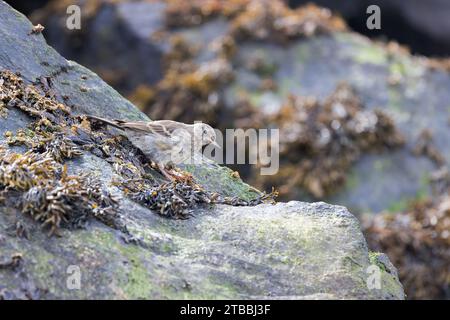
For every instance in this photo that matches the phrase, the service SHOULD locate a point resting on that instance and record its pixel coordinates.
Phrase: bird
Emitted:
(165, 142)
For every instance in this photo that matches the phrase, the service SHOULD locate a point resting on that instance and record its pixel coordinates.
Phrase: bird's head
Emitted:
(206, 133)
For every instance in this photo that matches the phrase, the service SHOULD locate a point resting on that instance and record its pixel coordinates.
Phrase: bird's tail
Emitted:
(114, 123)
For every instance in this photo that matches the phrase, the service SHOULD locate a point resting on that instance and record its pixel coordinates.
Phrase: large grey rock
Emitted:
(288, 250)
(422, 25)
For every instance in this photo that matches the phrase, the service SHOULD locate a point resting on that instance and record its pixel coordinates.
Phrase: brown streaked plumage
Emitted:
(165, 141)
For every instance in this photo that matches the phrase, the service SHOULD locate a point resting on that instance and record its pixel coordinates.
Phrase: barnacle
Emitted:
(37, 29)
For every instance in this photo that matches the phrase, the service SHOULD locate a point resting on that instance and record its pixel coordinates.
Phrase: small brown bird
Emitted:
(165, 142)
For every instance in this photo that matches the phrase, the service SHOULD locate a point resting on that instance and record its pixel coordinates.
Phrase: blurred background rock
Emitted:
(364, 123)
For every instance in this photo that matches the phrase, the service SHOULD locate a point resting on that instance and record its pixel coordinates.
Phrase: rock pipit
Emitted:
(165, 142)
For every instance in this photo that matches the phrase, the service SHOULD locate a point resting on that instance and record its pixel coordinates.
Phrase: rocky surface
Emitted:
(295, 249)
(420, 25)
(290, 250)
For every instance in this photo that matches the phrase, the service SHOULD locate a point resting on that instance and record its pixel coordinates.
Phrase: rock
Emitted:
(290, 250)
(417, 24)
(126, 29)
(27, 7)
(287, 250)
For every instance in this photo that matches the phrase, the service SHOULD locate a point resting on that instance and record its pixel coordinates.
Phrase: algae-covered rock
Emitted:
(287, 250)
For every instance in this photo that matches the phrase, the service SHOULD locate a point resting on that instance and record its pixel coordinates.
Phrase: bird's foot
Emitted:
(175, 174)
(181, 176)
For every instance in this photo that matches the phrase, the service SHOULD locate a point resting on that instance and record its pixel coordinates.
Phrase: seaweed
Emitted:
(38, 179)
(417, 241)
(262, 20)
(320, 141)
(180, 13)
(177, 199)
(186, 83)
(69, 202)
(255, 19)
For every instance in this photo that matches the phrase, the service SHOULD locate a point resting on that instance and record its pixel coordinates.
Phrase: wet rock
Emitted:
(290, 250)
(419, 25)
(117, 40)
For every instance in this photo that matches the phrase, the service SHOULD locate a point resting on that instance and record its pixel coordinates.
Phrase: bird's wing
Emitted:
(135, 125)
(163, 128)
(166, 127)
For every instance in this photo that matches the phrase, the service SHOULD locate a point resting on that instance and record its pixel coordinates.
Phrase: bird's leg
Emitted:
(162, 169)
(173, 175)
(180, 175)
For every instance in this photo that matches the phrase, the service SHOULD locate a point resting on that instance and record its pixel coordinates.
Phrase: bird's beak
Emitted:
(215, 144)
